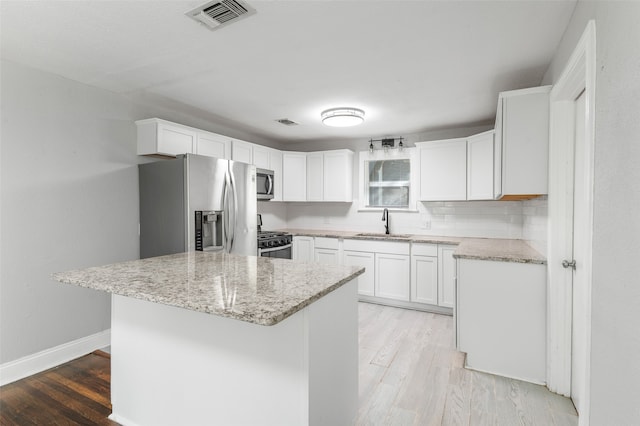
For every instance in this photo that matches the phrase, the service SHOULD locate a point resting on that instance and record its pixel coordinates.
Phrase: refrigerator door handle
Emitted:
(234, 193)
(226, 217)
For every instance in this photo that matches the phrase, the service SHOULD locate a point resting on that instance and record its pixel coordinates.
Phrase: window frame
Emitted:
(392, 154)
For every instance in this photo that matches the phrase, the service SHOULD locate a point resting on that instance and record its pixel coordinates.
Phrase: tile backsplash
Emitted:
(490, 219)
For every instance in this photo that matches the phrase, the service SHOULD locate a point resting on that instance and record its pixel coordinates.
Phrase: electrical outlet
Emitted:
(427, 224)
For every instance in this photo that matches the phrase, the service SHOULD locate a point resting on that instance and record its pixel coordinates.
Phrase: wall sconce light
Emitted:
(386, 144)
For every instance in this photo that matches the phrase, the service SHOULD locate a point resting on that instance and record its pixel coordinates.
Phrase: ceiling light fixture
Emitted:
(342, 117)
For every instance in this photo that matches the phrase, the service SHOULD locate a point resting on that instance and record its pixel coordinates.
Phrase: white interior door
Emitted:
(580, 223)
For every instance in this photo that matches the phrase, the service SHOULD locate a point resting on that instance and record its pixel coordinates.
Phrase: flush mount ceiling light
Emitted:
(342, 117)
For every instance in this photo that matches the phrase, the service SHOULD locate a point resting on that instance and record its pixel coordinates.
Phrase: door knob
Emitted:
(569, 264)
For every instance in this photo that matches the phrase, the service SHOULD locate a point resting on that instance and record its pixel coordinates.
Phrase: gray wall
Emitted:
(615, 344)
(69, 199)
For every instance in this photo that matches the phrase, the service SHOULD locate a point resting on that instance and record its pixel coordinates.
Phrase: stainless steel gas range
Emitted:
(275, 244)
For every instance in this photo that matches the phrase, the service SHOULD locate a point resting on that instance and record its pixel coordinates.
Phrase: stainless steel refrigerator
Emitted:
(197, 203)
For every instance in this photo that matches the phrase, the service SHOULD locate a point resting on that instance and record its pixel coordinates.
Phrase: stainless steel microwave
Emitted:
(264, 184)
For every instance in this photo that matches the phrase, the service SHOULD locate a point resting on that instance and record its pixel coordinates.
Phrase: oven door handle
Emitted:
(267, 250)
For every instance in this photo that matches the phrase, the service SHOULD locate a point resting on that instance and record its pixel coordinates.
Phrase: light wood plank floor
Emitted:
(411, 374)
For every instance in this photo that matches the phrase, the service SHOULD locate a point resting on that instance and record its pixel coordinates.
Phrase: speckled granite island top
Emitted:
(259, 290)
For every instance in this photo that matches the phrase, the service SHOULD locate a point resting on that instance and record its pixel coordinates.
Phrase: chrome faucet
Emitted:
(385, 216)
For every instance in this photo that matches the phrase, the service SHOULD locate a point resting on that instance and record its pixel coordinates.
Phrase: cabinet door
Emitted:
(261, 157)
(303, 249)
(366, 282)
(424, 279)
(275, 164)
(315, 176)
(338, 175)
(327, 256)
(242, 151)
(446, 276)
(294, 176)
(443, 170)
(392, 276)
(213, 145)
(480, 166)
(175, 140)
(524, 137)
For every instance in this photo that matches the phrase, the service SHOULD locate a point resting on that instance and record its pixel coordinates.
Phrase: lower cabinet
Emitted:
(424, 273)
(366, 281)
(327, 250)
(414, 275)
(501, 318)
(446, 276)
(392, 276)
(303, 250)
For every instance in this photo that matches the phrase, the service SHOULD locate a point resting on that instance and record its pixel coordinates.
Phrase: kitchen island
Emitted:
(213, 338)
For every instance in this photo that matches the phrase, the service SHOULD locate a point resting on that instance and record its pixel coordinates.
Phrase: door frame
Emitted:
(579, 74)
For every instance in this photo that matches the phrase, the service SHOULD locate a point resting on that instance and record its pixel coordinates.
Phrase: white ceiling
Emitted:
(412, 66)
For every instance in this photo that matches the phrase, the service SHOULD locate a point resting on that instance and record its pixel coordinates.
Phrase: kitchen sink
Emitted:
(382, 235)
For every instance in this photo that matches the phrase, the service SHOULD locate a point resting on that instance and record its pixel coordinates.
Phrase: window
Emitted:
(385, 179)
(388, 183)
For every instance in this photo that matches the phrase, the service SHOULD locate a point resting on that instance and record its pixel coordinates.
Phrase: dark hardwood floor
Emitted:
(75, 393)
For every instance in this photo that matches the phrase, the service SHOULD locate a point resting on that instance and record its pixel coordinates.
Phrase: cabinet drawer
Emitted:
(424, 249)
(377, 246)
(327, 243)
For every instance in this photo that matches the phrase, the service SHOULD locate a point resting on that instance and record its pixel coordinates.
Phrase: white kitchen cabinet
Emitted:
(392, 276)
(327, 256)
(522, 143)
(294, 176)
(242, 151)
(327, 250)
(315, 176)
(424, 273)
(261, 157)
(303, 249)
(366, 281)
(446, 275)
(161, 137)
(443, 170)
(213, 145)
(480, 171)
(275, 164)
(391, 267)
(338, 175)
(501, 318)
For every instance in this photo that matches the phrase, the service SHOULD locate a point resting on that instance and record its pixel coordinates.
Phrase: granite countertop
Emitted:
(501, 250)
(351, 235)
(496, 249)
(259, 290)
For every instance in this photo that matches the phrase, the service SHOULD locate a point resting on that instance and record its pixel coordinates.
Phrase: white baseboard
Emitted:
(49, 358)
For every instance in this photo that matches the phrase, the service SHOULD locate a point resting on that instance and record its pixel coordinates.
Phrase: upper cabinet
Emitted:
(213, 145)
(315, 176)
(242, 151)
(338, 175)
(480, 166)
(162, 137)
(318, 176)
(294, 176)
(443, 170)
(522, 143)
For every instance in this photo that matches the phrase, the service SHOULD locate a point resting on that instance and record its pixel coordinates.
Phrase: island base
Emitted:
(173, 366)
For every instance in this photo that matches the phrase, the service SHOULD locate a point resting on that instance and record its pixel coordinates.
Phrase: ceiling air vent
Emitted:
(287, 122)
(218, 13)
